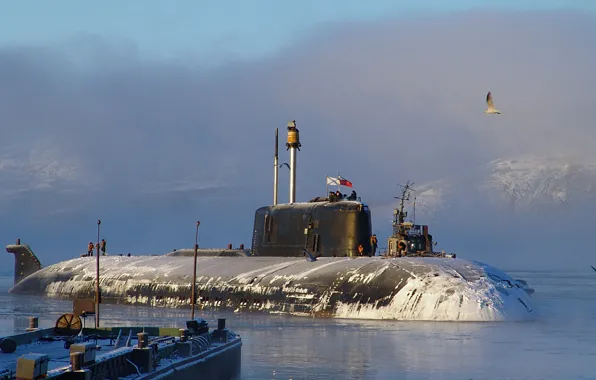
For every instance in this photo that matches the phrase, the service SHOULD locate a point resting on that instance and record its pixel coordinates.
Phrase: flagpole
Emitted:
(338, 182)
(326, 185)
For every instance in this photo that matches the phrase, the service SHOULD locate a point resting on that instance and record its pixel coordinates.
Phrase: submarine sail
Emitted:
(328, 229)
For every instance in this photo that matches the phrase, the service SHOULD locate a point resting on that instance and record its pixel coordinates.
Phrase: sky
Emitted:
(150, 117)
(214, 31)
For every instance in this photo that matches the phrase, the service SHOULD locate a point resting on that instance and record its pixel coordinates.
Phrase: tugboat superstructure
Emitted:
(408, 238)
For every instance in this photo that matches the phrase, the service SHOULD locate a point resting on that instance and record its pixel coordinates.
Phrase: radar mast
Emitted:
(398, 214)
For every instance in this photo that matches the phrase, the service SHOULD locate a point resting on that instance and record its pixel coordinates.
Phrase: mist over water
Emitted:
(380, 101)
(559, 344)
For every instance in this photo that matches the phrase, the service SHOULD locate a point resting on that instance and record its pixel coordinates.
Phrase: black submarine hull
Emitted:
(372, 288)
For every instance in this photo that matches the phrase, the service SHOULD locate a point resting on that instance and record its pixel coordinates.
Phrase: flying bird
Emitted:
(490, 107)
(285, 163)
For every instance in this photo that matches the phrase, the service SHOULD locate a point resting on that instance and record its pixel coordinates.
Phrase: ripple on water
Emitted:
(559, 345)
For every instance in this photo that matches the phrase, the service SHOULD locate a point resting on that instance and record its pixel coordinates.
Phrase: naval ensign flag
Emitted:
(339, 181)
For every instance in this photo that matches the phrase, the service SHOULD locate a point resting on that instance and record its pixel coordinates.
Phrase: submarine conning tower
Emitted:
(321, 226)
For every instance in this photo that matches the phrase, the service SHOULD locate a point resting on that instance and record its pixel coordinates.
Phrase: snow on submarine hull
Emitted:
(435, 289)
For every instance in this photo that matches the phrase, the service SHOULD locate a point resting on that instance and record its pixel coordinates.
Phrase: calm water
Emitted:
(560, 344)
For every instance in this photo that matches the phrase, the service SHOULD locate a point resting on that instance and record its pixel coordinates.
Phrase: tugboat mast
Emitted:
(399, 215)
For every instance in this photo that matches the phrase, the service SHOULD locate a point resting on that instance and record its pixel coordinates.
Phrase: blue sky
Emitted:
(219, 29)
(140, 138)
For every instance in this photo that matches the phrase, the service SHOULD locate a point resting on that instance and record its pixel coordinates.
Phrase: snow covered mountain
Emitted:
(40, 167)
(533, 181)
(528, 184)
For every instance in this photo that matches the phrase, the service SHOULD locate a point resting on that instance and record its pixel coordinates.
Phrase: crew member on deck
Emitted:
(90, 249)
(332, 197)
(401, 248)
(374, 244)
(352, 196)
(102, 247)
(360, 250)
(338, 195)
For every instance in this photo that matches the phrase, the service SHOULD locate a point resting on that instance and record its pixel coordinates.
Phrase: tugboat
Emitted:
(409, 239)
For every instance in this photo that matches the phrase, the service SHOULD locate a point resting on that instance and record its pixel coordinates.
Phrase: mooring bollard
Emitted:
(76, 360)
(142, 355)
(183, 334)
(33, 322)
(183, 346)
(143, 339)
(221, 334)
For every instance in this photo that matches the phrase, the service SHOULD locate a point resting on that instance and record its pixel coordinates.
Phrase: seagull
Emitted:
(285, 163)
(490, 109)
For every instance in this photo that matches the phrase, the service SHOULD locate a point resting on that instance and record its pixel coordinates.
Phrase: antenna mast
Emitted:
(275, 167)
(400, 214)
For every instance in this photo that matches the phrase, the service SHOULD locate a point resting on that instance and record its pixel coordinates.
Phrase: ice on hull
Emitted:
(371, 288)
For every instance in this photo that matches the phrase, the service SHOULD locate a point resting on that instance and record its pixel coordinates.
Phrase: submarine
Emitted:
(309, 258)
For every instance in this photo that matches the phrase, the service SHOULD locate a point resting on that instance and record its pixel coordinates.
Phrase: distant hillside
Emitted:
(531, 185)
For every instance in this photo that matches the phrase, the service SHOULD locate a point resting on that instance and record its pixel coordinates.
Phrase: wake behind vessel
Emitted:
(273, 276)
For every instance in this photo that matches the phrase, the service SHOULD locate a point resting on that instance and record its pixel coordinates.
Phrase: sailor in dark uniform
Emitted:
(332, 197)
(374, 244)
